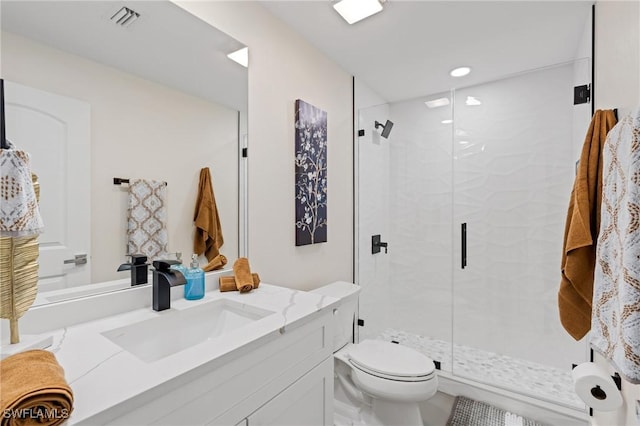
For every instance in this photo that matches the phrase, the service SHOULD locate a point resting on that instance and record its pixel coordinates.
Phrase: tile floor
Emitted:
(537, 380)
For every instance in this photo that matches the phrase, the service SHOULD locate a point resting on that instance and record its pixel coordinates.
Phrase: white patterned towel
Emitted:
(615, 323)
(19, 211)
(147, 221)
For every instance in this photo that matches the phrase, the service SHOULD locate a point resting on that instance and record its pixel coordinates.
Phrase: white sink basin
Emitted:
(176, 330)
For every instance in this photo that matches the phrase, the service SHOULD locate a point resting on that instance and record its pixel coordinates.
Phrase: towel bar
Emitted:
(120, 181)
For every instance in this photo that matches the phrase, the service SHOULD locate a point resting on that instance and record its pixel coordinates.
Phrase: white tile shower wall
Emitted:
(421, 196)
(514, 169)
(373, 218)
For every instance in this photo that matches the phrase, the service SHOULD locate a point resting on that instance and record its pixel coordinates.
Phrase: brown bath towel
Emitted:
(242, 273)
(33, 384)
(229, 283)
(581, 230)
(216, 263)
(208, 237)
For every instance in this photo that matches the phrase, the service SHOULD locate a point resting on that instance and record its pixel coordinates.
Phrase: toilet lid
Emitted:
(389, 359)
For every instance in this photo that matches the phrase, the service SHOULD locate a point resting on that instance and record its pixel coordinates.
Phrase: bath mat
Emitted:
(468, 412)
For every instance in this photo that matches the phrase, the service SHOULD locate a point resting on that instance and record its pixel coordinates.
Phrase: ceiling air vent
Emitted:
(125, 17)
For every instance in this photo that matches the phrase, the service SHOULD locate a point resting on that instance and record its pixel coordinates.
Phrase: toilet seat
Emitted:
(391, 361)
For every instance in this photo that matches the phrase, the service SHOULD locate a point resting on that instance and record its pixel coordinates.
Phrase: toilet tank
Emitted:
(344, 317)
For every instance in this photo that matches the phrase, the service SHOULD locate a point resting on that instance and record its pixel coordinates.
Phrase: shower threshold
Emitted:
(518, 375)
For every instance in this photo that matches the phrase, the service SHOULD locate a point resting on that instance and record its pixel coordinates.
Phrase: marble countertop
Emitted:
(103, 375)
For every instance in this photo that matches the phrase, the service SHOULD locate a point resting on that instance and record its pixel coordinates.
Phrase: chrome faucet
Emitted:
(163, 279)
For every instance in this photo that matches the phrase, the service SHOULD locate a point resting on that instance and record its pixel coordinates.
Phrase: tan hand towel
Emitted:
(33, 380)
(208, 237)
(216, 263)
(581, 230)
(147, 232)
(229, 283)
(242, 273)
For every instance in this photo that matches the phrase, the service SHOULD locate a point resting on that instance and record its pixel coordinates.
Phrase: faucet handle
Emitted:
(164, 265)
(138, 259)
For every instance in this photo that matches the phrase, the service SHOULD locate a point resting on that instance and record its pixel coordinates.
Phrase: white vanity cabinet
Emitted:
(308, 401)
(285, 378)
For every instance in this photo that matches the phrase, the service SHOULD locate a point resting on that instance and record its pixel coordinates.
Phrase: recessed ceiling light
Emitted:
(241, 56)
(460, 72)
(434, 103)
(355, 10)
(447, 121)
(471, 101)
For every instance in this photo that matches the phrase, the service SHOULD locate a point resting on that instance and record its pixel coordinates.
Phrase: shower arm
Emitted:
(386, 128)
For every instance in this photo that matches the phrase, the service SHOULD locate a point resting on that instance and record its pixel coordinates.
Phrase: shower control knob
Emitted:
(377, 244)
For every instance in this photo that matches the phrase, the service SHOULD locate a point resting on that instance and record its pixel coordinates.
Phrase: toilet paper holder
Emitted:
(616, 379)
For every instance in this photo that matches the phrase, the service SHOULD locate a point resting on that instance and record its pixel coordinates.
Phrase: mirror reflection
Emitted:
(97, 90)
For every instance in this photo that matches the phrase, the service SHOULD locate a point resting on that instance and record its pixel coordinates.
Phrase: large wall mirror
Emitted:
(97, 90)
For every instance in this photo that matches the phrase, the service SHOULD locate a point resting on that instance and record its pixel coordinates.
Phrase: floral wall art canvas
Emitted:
(311, 174)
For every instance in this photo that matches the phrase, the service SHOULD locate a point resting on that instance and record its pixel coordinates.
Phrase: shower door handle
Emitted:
(463, 246)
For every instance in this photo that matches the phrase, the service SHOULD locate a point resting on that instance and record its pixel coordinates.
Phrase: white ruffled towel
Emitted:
(19, 210)
(147, 218)
(615, 320)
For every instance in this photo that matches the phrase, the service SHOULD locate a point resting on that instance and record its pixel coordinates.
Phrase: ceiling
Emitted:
(166, 44)
(405, 51)
(408, 49)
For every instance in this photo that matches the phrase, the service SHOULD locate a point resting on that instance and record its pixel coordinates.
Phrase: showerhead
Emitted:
(386, 128)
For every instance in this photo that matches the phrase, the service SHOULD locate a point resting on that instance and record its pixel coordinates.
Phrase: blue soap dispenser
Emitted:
(194, 289)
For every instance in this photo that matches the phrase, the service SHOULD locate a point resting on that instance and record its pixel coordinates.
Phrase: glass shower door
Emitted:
(405, 195)
(373, 192)
(514, 159)
(497, 160)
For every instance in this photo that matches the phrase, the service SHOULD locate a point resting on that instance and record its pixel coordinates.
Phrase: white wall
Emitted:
(366, 97)
(139, 129)
(282, 68)
(617, 54)
(617, 85)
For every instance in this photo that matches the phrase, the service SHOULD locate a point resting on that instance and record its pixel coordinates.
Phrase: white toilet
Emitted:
(376, 382)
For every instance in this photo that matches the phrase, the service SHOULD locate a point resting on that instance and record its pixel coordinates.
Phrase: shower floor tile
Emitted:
(523, 376)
